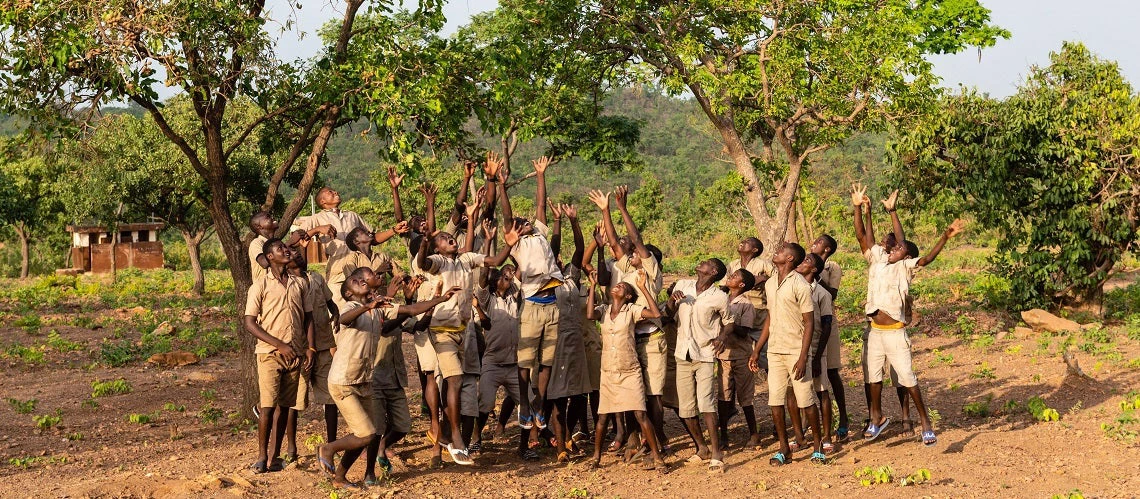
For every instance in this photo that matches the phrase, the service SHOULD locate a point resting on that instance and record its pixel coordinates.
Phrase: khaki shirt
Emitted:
(389, 372)
(627, 273)
(256, 247)
(280, 310)
(831, 275)
(339, 270)
(537, 265)
(744, 316)
(888, 283)
(453, 272)
(788, 301)
(355, 347)
(342, 221)
(758, 267)
(821, 299)
(503, 337)
(619, 348)
(700, 316)
(571, 300)
(318, 297)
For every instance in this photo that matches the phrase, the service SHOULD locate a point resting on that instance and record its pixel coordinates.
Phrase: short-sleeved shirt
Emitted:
(821, 299)
(788, 300)
(571, 299)
(456, 312)
(700, 315)
(757, 266)
(831, 275)
(356, 345)
(256, 247)
(739, 346)
(502, 338)
(339, 270)
(537, 266)
(280, 310)
(627, 273)
(318, 297)
(342, 221)
(619, 348)
(460, 234)
(389, 372)
(888, 283)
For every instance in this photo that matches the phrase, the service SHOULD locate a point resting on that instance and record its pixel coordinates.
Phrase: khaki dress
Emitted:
(621, 386)
(568, 376)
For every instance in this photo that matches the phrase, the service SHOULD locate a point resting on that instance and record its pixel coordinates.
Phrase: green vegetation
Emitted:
(978, 408)
(1126, 427)
(869, 476)
(22, 406)
(57, 343)
(105, 388)
(27, 462)
(921, 475)
(29, 322)
(984, 371)
(1041, 412)
(31, 356)
(47, 421)
(142, 418)
(172, 407)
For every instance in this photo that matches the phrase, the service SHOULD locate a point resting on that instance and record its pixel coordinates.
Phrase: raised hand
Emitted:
(601, 199)
(956, 227)
(858, 194)
(600, 234)
(429, 190)
(540, 164)
(511, 233)
(394, 180)
(620, 194)
(402, 227)
(555, 209)
(488, 229)
(472, 208)
(570, 211)
(451, 292)
(642, 278)
(493, 165)
(468, 169)
(891, 200)
(593, 278)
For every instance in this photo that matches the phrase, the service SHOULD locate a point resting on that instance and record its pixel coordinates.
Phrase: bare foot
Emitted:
(754, 440)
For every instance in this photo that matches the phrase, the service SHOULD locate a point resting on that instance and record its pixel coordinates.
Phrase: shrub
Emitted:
(105, 388)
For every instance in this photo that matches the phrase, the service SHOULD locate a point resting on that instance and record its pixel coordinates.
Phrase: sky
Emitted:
(1107, 27)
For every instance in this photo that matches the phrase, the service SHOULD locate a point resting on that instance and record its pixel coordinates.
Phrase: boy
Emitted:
(326, 318)
(749, 250)
(332, 223)
(539, 274)
(265, 226)
(704, 325)
(279, 316)
(737, 382)
(453, 266)
(888, 284)
(824, 316)
(830, 278)
(788, 330)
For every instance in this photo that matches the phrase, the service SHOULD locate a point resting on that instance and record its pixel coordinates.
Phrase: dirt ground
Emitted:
(197, 446)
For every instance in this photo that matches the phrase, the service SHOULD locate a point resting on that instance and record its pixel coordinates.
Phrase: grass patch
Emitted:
(57, 343)
(1041, 412)
(984, 371)
(979, 408)
(22, 406)
(105, 388)
(29, 322)
(29, 355)
(142, 418)
(48, 421)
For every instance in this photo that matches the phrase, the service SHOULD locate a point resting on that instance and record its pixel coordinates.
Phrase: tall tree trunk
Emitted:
(194, 248)
(25, 249)
(793, 234)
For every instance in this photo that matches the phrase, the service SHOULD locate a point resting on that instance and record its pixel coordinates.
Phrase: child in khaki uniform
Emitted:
(824, 316)
(350, 377)
(280, 317)
(737, 382)
(325, 315)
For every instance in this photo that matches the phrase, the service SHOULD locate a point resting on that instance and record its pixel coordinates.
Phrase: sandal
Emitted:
(326, 466)
(528, 455)
(385, 464)
(778, 459)
(874, 430)
(793, 445)
(716, 466)
(615, 446)
(928, 438)
(259, 467)
(841, 433)
(818, 458)
(828, 447)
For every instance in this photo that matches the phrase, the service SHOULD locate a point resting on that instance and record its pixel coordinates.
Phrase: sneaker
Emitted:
(540, 421)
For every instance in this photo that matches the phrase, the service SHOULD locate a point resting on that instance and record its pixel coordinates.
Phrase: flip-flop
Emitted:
(277, 465)
(694, 459)
(385, 464)
(615, 446)
(778, 459)
(259, 467)
(716, 466)
(828, 447)
(818, 458)
(326, 466)
(563, 457)
(928, 438)
(874, 430)
(460, 456)
(371, 482)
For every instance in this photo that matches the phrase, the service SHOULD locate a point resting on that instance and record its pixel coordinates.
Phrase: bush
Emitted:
(104, 388)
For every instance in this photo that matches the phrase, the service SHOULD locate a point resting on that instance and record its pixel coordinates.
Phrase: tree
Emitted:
(1053, 167)
(782, 80)
(60, 56)
(28, 202)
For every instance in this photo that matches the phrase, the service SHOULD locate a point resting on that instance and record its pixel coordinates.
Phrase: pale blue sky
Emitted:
(1108, 27)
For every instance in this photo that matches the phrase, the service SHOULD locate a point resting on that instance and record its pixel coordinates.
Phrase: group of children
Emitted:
(488, 312)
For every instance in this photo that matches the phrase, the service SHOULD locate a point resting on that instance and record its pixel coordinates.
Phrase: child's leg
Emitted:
(603, 420)
(825, 415)
(656, 413)
(291, 434)
(351, 445)
(781, 429)
(282, 420)
(264, 426)
(794, 414)
(524, 401)
(724, 412)
(558, 425)
(812, 414)
(452, 385)
(505, 410)
(330, 422)
(753, 430)
(650, 435)
(431, 397)
(836, 382)
(594, 401)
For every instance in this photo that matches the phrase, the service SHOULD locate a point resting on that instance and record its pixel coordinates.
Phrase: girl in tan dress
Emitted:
(621, 385)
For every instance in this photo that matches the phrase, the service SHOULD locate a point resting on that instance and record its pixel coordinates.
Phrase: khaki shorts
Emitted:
(277, 381)
(469, 395)
(780, 377)
(319, 388)
(696, 388)
(425, 352)
(890, 370)
(494, 376)
(448, 351)
(834, 360)
(651, 354)
(737, 382)
(355, 404)
(889, 347)
(390, 410)
(821, 384)
(538, 334)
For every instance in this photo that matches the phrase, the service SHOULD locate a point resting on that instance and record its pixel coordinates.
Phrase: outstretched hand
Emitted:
(429, 190)
(393, 179)
(540, 164)
(493, 165)
(956, 227)
(601, 199)
(858, 194)
(488, 229)
(891, 200)
(555, 209)
(468, 169)
(402, 227)
(472, 208)
(511, 233)
(570, 211)
(620, 195)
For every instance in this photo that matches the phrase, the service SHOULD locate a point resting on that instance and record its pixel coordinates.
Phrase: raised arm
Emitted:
(602, 200)
(896, 225)
(427, 243)
(620, 196)
(429, 190)
(495, 169)
(556, 231)
(954, 229)
(423, 306)
(471, 210)
(461, 198)
(651, 311)
(858, 192)
(382, 237)
(591, 304)
(394, 181)
(590, 249)
(604, 275)
(510, 238)
(571, 213)
(540, 165)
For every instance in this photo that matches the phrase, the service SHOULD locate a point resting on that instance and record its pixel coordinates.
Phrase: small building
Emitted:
(139, 247)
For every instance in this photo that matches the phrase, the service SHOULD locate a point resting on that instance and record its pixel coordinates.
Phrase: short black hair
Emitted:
(270, 244)
(301, 261)
(797, 253)
(359, 273)
(911, 249)
(632, 291)
(721, 270)
(748, 278)
(256, 218)
(656, 253)
(757, 244)
(817, 263)
(350, 239)
(830, 244)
